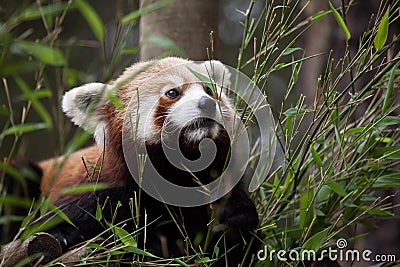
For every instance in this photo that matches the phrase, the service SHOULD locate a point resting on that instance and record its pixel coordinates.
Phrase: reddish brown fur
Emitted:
(64, 171)
(58, 175)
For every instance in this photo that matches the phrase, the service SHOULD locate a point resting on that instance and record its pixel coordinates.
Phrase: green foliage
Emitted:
(340, 22)
(338, 152)
(92, 18)
(382, 34)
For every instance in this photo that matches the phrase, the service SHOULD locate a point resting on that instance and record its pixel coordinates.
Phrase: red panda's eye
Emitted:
(173, 93)
(209, 91)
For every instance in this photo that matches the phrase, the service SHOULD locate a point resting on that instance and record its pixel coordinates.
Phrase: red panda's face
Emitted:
(183, 103)
(159, 97)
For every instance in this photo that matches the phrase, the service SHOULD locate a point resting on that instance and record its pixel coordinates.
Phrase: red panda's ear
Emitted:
(84, 104)
(216, 71)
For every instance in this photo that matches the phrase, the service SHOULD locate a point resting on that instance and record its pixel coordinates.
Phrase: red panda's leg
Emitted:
(239, 211)
(81, 210)
(238, 218)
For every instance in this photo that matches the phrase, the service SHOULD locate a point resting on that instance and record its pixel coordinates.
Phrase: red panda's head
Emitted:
(159, 95)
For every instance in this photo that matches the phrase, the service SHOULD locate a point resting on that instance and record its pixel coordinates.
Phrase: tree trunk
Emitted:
(187, 23)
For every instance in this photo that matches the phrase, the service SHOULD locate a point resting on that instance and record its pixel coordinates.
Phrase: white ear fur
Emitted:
(217, 72)
(83, 105)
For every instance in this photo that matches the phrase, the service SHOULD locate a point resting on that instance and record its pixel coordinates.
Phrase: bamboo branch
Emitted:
(39, 248)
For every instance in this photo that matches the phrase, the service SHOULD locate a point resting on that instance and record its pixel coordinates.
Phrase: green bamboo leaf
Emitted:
(6, 168)
(139, 251)
(382, 34)
(16, 201)
(46, 54)
(33, 97)
(296, 111)
(316, 156)
(182, 263)
(60, 214)
(388, 120)
(290, 50)
(337, 188)
(13, 68)
(306, 211)
(390, 180)
(35, 12)
(315, 242)
(204, 260)
(377, 211)
(320, 15)
(84, 188)
(207, 81)
(389, 91)
(125, 237)
(340, 22)
(355, 130)
(114, 100)
(23, 128)
(288, 129)
(92, 18)
(99, 213)
(135, 15)
(389, 152)
(323, 194)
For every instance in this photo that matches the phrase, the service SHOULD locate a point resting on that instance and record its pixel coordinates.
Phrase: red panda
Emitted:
(158, 95)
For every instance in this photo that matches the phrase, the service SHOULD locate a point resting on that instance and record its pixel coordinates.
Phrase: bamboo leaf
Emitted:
(291, 50)
(60, 214)
(315, 242)
(35, 12)
(296, 111)
(340, 22)
(337, 188)
(389, 152)
(382, 34)
(389, 91)
(306, 211)
(92, 18)
(354, 130)
(320, 15)
(135, 15)
(139, 251)
(207, 81)
(33, 97)
(46, 54)
(125, 237)
(390, 180)
(316, 156)
(323, 194)
(84, 188)
(99, 213)
(23, 128)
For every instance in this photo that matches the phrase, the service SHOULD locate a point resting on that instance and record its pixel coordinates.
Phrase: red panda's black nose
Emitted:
(207, 105)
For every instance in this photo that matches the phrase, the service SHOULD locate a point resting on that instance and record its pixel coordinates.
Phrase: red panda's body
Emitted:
(89, 107)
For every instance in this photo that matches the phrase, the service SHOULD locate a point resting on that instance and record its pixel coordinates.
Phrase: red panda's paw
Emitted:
(68, 236)
(239, 212)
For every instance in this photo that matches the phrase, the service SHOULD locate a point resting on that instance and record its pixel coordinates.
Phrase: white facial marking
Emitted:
(183, 114)
(100, 134)
(176, 80)
(186, 111)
